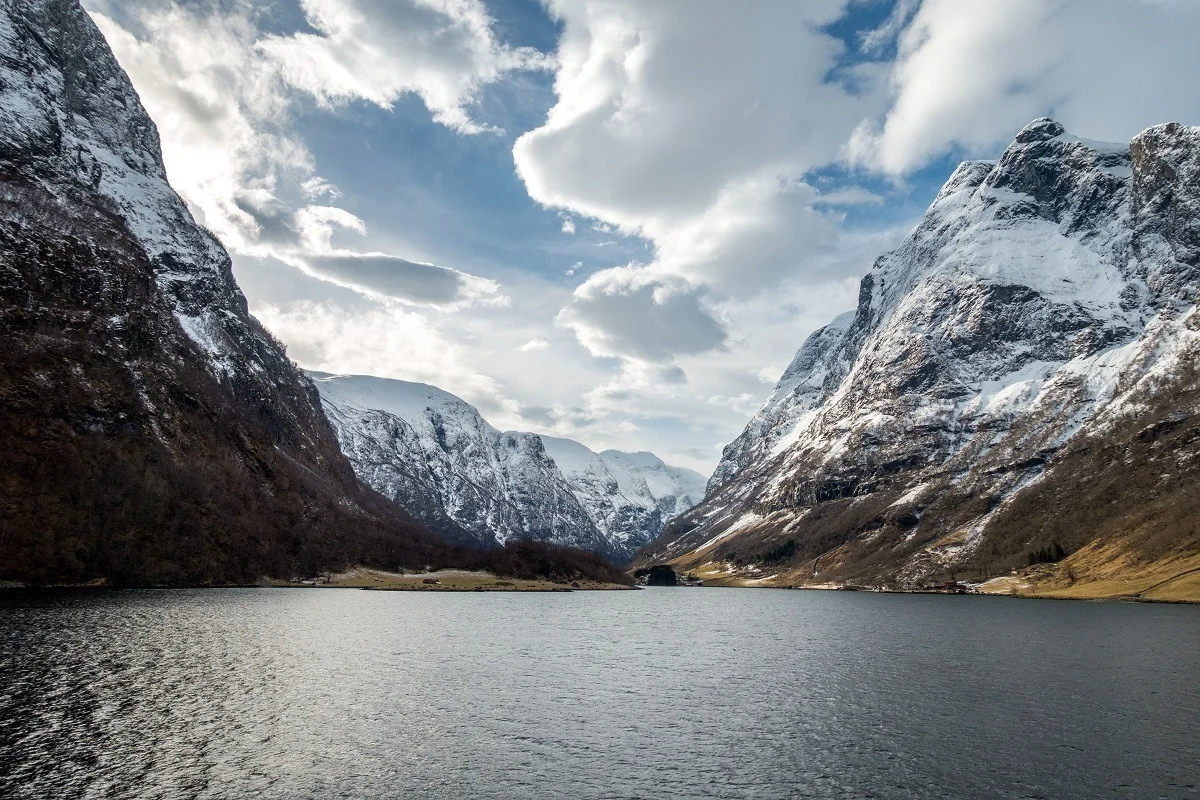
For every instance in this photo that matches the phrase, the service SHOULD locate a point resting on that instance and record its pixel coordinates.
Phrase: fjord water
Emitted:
(285, 693)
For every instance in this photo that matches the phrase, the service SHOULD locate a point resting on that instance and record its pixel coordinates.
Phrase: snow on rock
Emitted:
(674, 489)
(69, 111)
(1036, 294)
(628, 495)
(131, 361)
(434, 454)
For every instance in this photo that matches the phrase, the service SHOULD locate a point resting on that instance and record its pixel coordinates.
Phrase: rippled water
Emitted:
(669, 692)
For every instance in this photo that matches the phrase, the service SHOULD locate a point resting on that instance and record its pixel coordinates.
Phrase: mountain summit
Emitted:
(1019, 378)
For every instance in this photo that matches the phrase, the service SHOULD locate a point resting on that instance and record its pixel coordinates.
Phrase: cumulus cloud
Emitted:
(690, 124)
(630, 313)
(972, 72)
(662, 105)
(377, 50)
(222, 94)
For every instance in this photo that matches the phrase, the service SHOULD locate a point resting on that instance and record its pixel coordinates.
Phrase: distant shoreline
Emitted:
(449, 580)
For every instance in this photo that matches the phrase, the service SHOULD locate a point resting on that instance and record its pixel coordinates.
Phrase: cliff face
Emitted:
(435, 455)
(155, 431)
(1041, 311)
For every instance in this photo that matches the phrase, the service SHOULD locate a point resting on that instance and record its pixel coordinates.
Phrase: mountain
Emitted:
(629, 496)
(436, 456)
(1017, 385)
(153, 431)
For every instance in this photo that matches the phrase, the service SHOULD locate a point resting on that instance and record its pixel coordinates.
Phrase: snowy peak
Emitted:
(1036, 289)
(1040, 130)
(675, 489)
(435, 455)
(404, 399)
(628, 495)
(803, 385)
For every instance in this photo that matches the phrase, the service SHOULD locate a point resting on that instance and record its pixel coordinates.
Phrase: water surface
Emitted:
(661, 693)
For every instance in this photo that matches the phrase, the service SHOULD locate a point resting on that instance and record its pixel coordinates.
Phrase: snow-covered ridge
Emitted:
(69, 111)
(434, 454)
(1034, 292)
(73, 126)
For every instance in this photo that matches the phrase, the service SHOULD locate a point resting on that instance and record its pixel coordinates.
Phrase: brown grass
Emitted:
(1104, 572)
(449, 580)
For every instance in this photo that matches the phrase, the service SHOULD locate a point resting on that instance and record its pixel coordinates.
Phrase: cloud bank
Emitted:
(765, 154)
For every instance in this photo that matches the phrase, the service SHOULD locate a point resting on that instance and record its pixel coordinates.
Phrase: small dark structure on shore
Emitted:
(658, 575)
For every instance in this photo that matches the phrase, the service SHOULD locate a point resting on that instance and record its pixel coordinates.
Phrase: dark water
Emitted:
(661, 693)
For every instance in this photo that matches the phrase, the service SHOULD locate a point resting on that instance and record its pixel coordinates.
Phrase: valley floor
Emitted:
(446, 580)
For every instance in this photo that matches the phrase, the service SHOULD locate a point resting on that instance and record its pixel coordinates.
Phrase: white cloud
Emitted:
(568, 226)
(973, 72)
(219, 93)
(534, 345)
(850, 196)
(317, 187)
(398, 278)
(377, 50)
(389, 341)
(877, 39)
(661, 106)
(630, 313)
(691, 124)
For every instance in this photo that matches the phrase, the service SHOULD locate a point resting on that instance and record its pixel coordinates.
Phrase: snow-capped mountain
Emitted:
(629, 496)
(154, 430)
(1042, 309)
(436, 456)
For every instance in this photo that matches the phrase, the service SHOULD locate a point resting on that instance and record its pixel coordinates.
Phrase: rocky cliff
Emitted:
(154, 432)
(1018, 384)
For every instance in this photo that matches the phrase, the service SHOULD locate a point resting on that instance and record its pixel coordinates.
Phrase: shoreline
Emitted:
(450, 580)
(1095, 572)
(447, 580)
(1013, 595)
(480, 581)
(1126, 598)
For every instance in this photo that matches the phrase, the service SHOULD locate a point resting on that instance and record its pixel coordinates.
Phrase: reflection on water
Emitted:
(668, 692)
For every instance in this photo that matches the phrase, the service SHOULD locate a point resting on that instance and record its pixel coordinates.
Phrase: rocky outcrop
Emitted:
(1044, 303)
(154, 432)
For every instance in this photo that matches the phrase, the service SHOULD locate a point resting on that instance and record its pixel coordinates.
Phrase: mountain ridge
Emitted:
(434, 454)
(1035, 295)
(156, 433)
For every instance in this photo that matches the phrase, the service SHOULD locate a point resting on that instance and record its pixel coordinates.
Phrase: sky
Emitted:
(611, 220)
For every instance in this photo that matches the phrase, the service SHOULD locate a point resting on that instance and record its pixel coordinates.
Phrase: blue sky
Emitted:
(604, 219)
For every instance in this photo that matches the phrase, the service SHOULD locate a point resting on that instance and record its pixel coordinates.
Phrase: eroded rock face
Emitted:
(435, 455)
(1037, 296)
(155, 431)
